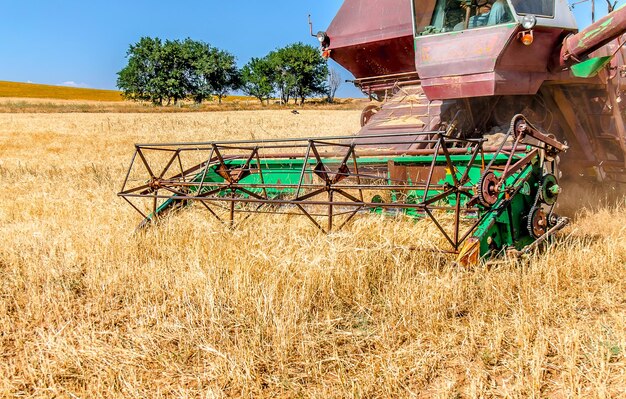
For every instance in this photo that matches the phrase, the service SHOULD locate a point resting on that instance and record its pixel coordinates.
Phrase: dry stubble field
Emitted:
(275, 309)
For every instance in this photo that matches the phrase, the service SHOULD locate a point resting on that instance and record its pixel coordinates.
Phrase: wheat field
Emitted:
(38, 91)
(89, 309)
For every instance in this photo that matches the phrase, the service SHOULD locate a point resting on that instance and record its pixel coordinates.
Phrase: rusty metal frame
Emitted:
(332, 168)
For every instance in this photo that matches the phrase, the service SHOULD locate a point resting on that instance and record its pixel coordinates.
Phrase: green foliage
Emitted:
(281, 74)
(225, 75)
(171, 71)
(298, 71)
(174, 70)
(198, 54)
(256, 79)
(172, 80)
(138, 80)
(310, 69)
(295, 71)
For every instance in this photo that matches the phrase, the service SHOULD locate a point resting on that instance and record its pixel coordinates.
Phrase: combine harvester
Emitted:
(483, 106)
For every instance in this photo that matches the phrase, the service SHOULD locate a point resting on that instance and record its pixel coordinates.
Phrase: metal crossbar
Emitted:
(425, 175)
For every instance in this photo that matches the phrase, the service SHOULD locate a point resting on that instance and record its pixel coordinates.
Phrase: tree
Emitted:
(156, 71)
(138, 80)
(298, 70)
(200, 66)
(175, 70)
(256, 79)
(333, 82)
(225, 75)
(213, 71)
(282, 74)
(173, 77)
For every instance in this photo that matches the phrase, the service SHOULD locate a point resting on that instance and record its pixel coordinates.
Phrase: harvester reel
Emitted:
(327, 180)
(537, 223)
(487, 189)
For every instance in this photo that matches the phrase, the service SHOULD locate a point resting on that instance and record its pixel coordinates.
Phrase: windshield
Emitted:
(544, 8)
(456, 15)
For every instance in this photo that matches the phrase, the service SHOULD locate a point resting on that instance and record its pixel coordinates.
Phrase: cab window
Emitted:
(544, 8)
(455, 15)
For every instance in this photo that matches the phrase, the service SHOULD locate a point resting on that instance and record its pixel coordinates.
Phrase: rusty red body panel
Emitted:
(367, 60)
(373, 44)
(434, 75)
(484, 62)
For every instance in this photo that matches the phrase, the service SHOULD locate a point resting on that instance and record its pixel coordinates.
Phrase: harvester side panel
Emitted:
(370, 40)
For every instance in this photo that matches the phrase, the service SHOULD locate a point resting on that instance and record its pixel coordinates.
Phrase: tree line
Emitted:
(166, 72)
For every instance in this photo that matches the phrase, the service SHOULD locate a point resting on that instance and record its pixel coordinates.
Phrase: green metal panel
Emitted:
(500, 226)
(591, 67)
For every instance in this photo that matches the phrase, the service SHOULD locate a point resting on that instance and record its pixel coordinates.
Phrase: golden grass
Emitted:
(21, 90)
(51, 106)
(31, 90)
(88, 309)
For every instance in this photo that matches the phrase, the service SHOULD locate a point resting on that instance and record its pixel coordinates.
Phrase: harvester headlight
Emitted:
(322, 37)
(529, 22)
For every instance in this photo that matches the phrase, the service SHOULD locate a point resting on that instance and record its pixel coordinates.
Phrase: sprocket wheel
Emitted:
(550, 189)
(487, 193)
(537, 223)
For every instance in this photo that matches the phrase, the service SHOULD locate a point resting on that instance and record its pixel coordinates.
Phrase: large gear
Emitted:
(487, 193)
(537, 223)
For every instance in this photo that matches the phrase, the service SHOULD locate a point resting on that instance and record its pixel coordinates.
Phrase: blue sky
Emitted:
(83, 43)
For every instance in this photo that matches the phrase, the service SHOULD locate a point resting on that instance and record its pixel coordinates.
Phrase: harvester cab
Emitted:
(477, 106)
(488, 48)
(478, 63)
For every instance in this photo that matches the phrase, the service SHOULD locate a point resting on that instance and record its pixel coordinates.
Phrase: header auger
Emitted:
(479, 114)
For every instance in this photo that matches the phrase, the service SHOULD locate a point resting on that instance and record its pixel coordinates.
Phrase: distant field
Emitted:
(31, 90)
(19, 100)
